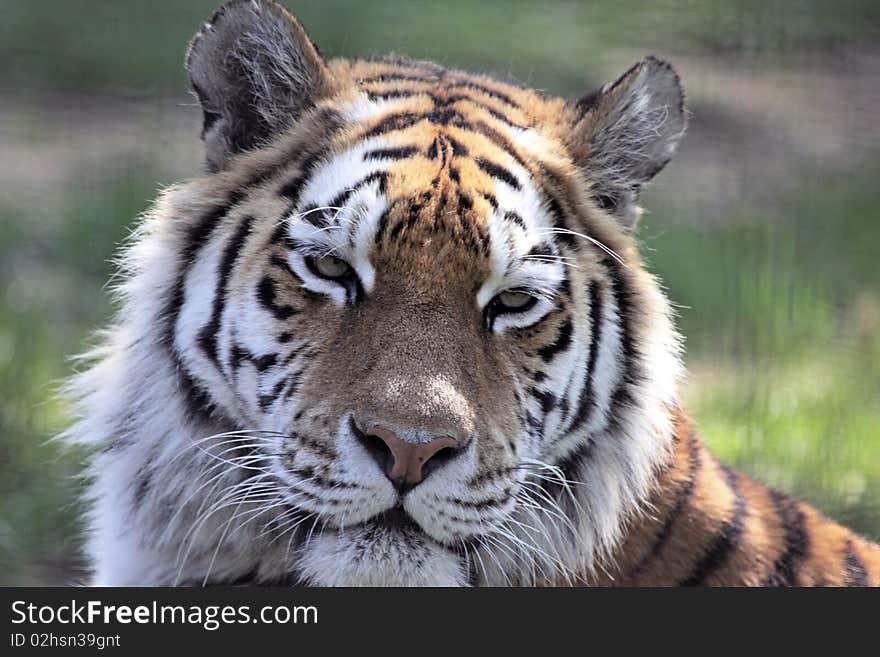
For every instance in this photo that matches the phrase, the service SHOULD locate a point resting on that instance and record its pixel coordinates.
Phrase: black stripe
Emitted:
(292, 189)
(279, 234)
(309, 160)
(495, 137)
(587, 399)
(266, 400)
(411, 220)
(399, 153)
(295, 381)
(726, 540)
(316, 215)
(492, 93)
(630, 364)
(380, 176)
(340, 199)
(284, 265)
(239, 354)
(497, 171)
(404, 120)
(631, 356)
(797, 541)
(565, 288)
(396, 77)
(541, 249)
(441, 102)
(458, 149)
(488, 503)
(207, 338)
(561, 343)
(555, 206)
(536, 426)
(144, 479)
(383, 225)
(494, 113)
(267, 297)
(321, 480)
(469, 565)
(394, 122)
(196, 399)
(518, 220)
(262, 363)
(624, 297)
(856, 572)
(434, 150)
(558, 214)
(313, 444)
(683, 498)
(199, 403)
(444, 116)
(296, 351)
(197, 235)
(395, 94)
(546, 399)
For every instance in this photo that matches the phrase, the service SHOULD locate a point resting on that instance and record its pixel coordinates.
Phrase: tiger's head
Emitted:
(400, 333)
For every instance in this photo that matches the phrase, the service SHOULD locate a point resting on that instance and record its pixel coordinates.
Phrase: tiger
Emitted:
(399, 333)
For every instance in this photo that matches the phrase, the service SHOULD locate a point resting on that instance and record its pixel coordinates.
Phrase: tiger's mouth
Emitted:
(389, 549)
(396, 520)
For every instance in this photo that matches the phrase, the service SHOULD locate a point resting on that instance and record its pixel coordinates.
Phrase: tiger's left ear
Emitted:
(624, 134)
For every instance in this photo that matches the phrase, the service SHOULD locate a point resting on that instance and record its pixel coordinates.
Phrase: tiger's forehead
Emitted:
(435, 169)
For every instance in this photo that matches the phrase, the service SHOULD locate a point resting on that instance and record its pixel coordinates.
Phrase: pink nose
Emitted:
(406, 466)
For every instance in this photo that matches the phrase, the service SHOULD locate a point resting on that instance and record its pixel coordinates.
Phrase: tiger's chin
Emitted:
(380, 552)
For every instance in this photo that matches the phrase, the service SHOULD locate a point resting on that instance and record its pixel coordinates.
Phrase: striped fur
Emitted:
(226, 403)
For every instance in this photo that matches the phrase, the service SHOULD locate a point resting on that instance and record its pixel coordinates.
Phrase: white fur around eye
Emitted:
(333, 289)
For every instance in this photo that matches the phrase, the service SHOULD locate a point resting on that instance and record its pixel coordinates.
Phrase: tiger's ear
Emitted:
(625, 133)
(254, 71)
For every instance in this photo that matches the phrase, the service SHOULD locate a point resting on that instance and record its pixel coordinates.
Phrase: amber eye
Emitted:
(513, 300)
(509, 302)
(330, 267)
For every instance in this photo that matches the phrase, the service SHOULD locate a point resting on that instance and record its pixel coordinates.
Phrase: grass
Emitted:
(51, 276)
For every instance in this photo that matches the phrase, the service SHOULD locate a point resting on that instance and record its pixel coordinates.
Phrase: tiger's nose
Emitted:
(407, 463)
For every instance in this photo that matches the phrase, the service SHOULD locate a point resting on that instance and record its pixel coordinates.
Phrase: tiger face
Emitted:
(403, 318)
(396, 334)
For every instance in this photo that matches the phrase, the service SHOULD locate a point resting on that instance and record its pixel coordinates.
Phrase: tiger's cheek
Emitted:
(276, 335)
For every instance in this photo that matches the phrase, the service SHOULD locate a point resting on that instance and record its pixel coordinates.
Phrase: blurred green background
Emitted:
(764, 229)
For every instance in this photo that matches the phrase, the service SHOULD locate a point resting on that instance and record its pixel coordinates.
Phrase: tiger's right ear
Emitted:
(254, 71)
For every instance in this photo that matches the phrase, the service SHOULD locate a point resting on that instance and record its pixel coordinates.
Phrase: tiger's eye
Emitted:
(331, 267)
(515, 300)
